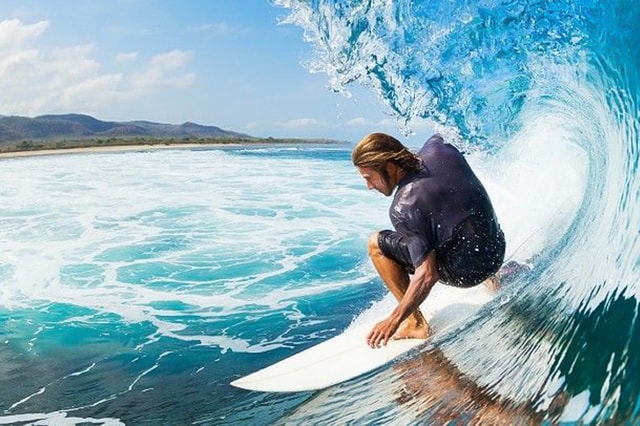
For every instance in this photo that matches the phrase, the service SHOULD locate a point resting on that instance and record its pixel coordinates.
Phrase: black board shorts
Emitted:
(475, 253)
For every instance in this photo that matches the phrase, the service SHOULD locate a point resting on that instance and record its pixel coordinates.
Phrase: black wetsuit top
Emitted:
(444, 207)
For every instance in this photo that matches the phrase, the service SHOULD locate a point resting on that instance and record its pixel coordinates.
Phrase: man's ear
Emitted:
(391, 170)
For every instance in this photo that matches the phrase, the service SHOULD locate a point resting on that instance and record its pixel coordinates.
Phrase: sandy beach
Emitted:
(106, 149)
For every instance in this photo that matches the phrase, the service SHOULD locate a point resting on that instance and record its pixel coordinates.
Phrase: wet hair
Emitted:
(375, 149)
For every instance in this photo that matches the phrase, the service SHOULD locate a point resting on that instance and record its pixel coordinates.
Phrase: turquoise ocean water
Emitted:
(135, 286)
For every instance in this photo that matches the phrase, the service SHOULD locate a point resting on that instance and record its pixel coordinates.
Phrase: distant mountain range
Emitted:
(79, 126)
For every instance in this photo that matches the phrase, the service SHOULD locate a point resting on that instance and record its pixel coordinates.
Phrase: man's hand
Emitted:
(382, 332)
(419, 287)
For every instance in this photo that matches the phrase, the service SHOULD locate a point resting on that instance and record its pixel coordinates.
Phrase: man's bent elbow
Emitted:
(428, 270)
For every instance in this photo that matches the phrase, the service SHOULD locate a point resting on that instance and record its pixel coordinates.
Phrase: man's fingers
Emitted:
(376, 338)
(373, 339)
(380, 334)
(370, 338)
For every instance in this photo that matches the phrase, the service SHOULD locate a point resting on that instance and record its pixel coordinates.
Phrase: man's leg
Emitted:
(396, 278)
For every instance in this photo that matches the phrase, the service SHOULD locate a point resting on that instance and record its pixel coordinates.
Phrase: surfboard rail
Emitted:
(348, 355)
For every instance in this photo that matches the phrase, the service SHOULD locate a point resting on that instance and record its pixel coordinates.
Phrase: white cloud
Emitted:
(171, 60)
(159, 72)
(16, 60)
(70, 63)
(301, 123)
(359, 121)
(92, 93)
(388, 122)
(126, 57)
(217, 28)
(13, 33)
(35, 80)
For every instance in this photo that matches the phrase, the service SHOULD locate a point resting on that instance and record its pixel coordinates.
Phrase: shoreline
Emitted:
(121, 148)
(95, 149)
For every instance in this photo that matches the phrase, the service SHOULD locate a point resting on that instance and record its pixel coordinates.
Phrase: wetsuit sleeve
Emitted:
(415, 241)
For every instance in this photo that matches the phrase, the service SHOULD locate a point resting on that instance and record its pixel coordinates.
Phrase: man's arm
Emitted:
(419, 287)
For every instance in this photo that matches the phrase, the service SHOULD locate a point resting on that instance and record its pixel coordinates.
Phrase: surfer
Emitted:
(445, 227)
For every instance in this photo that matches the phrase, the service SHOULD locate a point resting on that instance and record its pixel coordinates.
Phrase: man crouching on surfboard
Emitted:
(445, 227)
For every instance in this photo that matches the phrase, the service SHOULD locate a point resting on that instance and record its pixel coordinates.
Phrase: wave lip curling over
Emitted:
(503, 78)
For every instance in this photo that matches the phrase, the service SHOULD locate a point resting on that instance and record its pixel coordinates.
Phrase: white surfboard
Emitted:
(347, 355)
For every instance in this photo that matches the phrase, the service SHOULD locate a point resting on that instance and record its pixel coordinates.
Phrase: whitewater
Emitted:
(135, 286)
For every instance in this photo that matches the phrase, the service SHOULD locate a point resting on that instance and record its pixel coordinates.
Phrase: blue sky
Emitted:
(227, 63)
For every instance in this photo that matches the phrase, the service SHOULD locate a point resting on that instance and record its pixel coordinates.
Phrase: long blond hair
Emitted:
(375, 149)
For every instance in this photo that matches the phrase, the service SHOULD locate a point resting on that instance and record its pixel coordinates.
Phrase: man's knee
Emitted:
(373, 246)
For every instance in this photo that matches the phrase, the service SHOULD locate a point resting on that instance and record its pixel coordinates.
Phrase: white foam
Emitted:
(77, 225)
(57, 418)
(536, 185)
(209, 211)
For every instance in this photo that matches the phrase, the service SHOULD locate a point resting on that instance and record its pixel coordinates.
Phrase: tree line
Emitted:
(36, 145)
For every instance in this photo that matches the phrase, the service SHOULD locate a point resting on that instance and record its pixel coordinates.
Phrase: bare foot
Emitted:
(408, 330)
(511, 271)
(492, 283)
